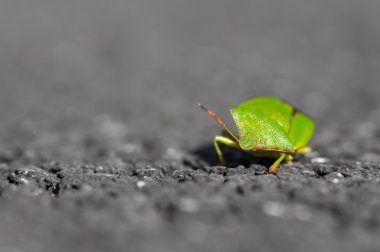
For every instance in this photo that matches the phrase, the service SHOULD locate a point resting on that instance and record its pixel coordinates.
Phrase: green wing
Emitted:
(263, 123)
(302, 129)
(273, 108)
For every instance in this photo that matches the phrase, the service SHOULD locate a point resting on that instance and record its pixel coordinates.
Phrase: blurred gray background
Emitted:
(102, 145)
(147, 63)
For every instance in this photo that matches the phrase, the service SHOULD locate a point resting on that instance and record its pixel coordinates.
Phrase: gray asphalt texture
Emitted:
(103, 148)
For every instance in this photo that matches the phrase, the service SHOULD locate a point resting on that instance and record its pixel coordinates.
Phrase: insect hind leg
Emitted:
(288, 158)
(224, 140)
(303, 150)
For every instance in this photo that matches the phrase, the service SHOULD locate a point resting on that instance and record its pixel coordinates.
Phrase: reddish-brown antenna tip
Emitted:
(203, 107)
(211, 113)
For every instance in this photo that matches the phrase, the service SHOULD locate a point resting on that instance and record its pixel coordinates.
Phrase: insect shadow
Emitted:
(233, 157)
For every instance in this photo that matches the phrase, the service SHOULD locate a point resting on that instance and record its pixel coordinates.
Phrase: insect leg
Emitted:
(273, 168)
(303, 150)
(224, 140)
(288, 158)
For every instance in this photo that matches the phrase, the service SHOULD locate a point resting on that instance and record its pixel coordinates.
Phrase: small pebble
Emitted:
(335, 181)
(334, 177)
(274, 208)
(24, 181)
(308, 173)
(320, 160)
(140, 184)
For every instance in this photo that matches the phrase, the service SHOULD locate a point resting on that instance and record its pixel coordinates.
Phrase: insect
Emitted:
(267, 127)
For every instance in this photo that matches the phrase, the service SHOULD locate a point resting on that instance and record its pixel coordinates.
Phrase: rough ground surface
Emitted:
(102, 146)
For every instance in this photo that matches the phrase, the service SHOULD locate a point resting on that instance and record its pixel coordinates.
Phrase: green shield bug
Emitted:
(268, 127)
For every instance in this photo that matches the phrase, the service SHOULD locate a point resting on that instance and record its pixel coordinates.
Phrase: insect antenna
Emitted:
(211, 113)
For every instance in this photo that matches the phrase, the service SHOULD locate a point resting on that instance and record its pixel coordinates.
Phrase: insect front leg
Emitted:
(273, 168)
(224, 140)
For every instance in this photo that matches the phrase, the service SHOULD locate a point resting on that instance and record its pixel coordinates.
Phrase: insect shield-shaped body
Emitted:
(268, 127)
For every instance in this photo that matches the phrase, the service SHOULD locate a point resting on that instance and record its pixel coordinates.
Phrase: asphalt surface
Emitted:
(103, 147)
